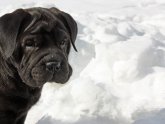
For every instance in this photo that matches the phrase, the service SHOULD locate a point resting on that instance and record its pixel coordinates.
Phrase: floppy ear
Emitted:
(10, 25)
(69, 23)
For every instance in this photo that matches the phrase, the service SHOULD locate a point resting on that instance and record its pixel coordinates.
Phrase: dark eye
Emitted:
(30, 44)
(63, 42)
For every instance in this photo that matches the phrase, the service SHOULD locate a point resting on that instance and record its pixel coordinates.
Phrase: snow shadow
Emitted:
(86, 51)
(98, 120)
(154, 117)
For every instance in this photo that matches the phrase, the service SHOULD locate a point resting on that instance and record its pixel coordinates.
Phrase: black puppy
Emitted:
(34, 49)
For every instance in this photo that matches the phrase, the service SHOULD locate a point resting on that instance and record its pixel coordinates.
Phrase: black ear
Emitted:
(69, 23)
(10, 25)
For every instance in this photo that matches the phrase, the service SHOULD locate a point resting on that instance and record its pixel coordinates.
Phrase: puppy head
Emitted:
(38, 41)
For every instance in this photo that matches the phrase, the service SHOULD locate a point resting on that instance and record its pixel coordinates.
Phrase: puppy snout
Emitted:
(53, 66)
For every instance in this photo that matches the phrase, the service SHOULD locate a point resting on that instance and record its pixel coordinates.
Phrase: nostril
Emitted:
(53, 66)
(57, 67)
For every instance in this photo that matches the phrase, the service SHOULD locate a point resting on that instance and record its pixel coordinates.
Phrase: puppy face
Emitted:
(45, 47)
(42, 46)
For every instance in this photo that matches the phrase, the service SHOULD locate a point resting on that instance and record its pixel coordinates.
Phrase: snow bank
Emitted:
(119, 70)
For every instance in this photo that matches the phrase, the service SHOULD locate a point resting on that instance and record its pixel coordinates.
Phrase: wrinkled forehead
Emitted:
(39, 12)
(43, 19)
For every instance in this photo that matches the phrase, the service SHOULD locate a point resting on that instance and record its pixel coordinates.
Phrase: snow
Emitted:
(119, 69)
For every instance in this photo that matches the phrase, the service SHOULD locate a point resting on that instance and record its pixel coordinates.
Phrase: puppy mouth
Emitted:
(50, 68)
(45, 67)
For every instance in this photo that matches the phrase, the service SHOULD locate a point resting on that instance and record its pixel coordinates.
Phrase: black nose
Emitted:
(53, 66)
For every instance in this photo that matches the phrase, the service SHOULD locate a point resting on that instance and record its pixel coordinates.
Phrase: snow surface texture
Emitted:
(119, 70)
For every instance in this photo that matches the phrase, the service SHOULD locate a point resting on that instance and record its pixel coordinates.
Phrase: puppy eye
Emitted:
(30, 44)
(63, 42)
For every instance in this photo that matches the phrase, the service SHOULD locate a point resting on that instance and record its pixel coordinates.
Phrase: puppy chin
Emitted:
(38, 82)
(34, 83)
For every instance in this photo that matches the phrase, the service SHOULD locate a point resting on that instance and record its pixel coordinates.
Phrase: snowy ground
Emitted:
(119, 71)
